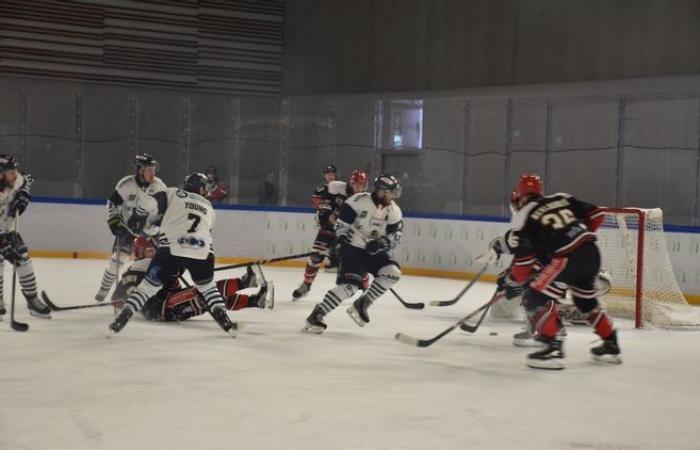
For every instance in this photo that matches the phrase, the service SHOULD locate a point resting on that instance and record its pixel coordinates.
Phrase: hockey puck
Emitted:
(493, 333)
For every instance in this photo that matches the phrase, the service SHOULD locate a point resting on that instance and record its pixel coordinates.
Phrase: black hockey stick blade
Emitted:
(18, 326)
(405, 303)
(462, 292)
(410, 340)
(55, 307)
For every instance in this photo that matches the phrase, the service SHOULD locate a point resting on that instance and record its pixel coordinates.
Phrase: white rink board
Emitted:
(433, 243)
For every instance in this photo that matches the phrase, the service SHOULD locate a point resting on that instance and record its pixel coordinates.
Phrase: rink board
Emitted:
(439, 246)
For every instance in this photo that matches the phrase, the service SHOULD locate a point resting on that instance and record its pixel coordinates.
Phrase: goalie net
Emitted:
(634, 254)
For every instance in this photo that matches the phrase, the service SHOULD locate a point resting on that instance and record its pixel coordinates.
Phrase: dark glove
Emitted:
(117, 227)
(377, 246)
(136, 222)
(506, 283)
(19, 203)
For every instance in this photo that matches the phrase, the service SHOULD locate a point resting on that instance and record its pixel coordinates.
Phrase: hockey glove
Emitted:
(493, 254)
(377, 246)
(117, 227)
(506, 283)
(136, 222)
(19, 203)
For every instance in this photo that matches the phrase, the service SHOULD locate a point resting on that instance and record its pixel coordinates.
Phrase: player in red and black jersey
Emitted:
(176, 303)
(561, 230)
(327, 202)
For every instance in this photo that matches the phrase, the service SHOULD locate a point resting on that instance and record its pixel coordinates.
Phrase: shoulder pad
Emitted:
(124, 181)
(337, 187)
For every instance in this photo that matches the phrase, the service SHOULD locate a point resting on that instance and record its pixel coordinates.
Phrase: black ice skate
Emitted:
(265, 298)
(358, 311)
(608, 351)
(37, 308)
(101, 296)
(314, 323)
(550, 358)
(3, 310)
(219, 314)
(122, 319)
(250, 279)
(301, 291)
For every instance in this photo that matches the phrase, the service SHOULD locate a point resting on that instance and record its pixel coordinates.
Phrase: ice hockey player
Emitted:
(330, 174)
(15, 196)
(186, 220)
(175, 303)
(368, 229)
(562, 228)
(327, 205)
(120, 208)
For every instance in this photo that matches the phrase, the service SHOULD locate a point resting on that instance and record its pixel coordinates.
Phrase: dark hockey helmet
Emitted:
(330, 168)
(195, 182)
(145, 160)
(387, 182)
(7, 162)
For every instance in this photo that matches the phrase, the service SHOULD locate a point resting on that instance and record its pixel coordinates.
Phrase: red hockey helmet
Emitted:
(143, 247)
(358, 177)
(529, 185)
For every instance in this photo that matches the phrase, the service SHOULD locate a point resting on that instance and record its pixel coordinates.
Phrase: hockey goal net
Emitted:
(635, 255)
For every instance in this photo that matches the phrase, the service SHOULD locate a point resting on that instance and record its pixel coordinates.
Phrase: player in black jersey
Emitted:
(562, 228)
(327, 202)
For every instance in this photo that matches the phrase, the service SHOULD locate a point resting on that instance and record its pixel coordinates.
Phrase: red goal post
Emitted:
(635, 255)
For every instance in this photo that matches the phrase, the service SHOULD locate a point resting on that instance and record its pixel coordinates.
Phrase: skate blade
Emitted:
(270, 296)
(607, 359)
(39, 315)
(546, 364)
(527, 343)
(355, 316)
(312, 329)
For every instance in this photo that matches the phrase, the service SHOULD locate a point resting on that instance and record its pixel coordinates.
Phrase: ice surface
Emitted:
(65, 385)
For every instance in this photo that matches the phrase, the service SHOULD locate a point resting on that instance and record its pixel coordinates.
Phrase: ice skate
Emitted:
(251, 278)
(301, 291)
(549, 358)
(3, 309)
(122, 319)
(220, 316)
(314, 323)
(37, 308)
(101, 295)
(358, 311)
(266, 296)
(608, 351)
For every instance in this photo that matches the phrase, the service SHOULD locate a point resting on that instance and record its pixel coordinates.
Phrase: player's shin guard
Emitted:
(27, 280)
(386, 278)
(110, 275)
(609, 350)
(217, 307)
(546, 324)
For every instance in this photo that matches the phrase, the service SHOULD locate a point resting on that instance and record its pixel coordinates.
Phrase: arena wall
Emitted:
(441, 246)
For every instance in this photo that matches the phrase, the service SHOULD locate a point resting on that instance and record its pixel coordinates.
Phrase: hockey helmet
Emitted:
(195, 182)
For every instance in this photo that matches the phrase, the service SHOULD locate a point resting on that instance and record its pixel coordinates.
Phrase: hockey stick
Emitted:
(263, 261)
(55, 307)
(410, 340)
(406, 304)
(17, 326)
(462, 292)
(472, 328)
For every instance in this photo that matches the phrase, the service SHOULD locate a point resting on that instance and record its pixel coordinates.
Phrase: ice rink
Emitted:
(65, 385)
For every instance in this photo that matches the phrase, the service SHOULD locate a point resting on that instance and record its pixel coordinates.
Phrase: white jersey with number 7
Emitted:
(186, 220)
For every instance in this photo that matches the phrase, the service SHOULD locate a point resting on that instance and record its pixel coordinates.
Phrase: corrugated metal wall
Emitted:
(232, 46)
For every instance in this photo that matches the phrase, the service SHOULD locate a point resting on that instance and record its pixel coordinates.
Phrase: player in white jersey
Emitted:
(120, 215)
(185, 219)
(14, 199)
(368, 229)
